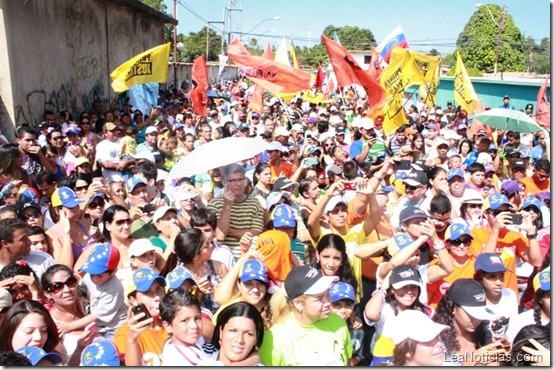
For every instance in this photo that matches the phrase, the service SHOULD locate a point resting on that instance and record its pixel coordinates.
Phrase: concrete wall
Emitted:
(58, 54)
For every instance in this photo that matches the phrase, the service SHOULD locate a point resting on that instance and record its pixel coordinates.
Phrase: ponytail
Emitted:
(280, 307)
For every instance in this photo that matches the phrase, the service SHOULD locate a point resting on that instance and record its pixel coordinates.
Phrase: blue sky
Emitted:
(427, 24)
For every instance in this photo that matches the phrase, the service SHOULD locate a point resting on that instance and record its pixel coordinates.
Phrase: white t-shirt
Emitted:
(39, 262)
(109, 151)
(521, 320)
(505, 310)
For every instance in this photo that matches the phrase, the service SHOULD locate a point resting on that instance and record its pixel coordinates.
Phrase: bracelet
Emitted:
(532, 236)
(439, 246)
(380, 290)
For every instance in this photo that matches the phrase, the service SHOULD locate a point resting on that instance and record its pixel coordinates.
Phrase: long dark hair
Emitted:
(260, 167)
(107, 217)
(15, 315)
(9, 153)
(345, 272)
(46, 278)
(445, 315)
(539, 333)
(187, 246)
(239, 309)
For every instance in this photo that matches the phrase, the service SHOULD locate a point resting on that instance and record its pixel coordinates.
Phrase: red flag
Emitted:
(272, 76)
(320, 77)
(199, 93)
(543, 106)
(349, 72)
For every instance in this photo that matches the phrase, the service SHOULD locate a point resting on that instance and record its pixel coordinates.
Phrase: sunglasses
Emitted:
(338, 210)
(121, 222)
(57, 138)
(470, 205)
(410, 187)
(58, 285)
(80, 188)
(460, 241)
(85, 123)
(95, 205)
(30, 215)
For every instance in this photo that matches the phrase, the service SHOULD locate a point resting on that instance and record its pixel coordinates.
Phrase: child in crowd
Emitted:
(343, 301)
(129, 143)
(182, 319)
(106, 293)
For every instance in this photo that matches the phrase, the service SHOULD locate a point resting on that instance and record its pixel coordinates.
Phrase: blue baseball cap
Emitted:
(178, 126)
(255, 115)
(398, 242)
(531, 200)
(454, 231)
(133, 182)
(145, 277)
(489, 262)
(97, 195)
(35, 355)
(178, 276)
(453, 173)
(101, 353)
(65, 197)
(283, 215)
(495, 201)
(542, 280)
(102, 258)
(253, 270)
(313, 149)
(341, 290)
(72, 130)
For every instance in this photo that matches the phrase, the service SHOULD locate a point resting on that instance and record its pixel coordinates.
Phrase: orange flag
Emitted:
(256, 102)
(199, 93)
(268, 54)
(272, 76)
(349, 72)
(543, 106)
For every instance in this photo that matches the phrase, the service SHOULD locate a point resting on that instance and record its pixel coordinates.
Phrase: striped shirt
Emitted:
(247, 214)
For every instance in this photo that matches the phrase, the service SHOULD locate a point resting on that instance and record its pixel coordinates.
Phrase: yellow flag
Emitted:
(293, 55)
(464, 94)
(407, 68)
(150, 66)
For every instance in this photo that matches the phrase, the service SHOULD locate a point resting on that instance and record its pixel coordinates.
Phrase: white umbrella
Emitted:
(217, 153)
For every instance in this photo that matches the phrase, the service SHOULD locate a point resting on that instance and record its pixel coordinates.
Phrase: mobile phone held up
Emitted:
(517, 218)
(349, 185)
(141, 308)
(148, 208)
(312, 162)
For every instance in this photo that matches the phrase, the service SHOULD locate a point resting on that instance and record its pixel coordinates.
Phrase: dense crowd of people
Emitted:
(337, 245)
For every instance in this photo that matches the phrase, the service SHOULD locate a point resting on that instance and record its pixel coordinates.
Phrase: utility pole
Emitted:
(499, 41)
(175, 46)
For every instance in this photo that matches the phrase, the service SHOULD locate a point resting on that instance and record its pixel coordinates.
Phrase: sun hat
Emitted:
(140, 246)
(472, 196)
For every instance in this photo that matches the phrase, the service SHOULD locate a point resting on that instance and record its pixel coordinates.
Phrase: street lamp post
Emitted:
(276, 18)
(309, 30)
(499, 25)
(208, 37)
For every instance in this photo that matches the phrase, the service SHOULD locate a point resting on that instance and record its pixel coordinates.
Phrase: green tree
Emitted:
(352, 37)
(477, 43)
(156, 4)
(195, 45)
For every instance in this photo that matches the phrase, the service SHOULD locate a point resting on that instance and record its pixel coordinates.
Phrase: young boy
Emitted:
(343, 301)
(129, 144)
(181, 318)
(106, 293)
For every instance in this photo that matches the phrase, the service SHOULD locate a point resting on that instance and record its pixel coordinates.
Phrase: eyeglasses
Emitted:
(95, 205)
(235, 181)
(126, 221)
(470, 205)
(57, 138)
(58, 285)
(460, 241)
(28, 216)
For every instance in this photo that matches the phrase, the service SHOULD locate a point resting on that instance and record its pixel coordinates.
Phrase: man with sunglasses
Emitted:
(415, 189)
(15, 245)
(495, 237)
(31, 214)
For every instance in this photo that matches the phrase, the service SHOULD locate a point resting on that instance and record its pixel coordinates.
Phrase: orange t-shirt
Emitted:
(150, 343)
(275, 246)
(436, 290)
(510, 245)
(534, 188)
(284, 170)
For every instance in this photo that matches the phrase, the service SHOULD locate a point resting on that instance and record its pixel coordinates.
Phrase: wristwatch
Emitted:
(438, 246)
